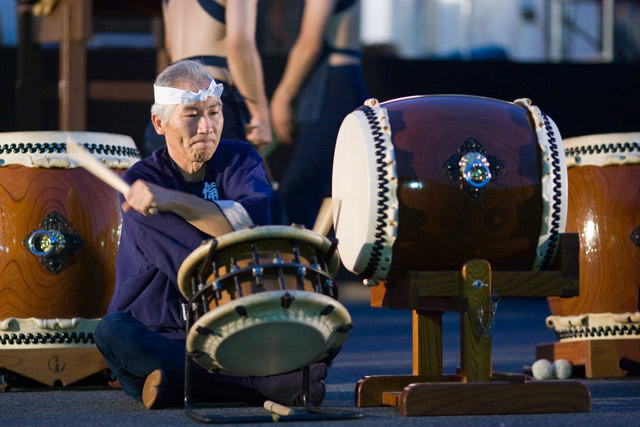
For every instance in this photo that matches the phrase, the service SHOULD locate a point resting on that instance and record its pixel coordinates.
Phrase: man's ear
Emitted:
(157, 124)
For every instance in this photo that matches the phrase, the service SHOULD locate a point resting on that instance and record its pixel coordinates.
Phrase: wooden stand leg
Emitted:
(427, 342)
(384, 390)
(427, 364)
(476, 322)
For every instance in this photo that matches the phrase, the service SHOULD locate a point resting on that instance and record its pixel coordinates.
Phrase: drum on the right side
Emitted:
(604, 209)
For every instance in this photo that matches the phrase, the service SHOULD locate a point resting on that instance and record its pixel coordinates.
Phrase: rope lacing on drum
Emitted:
(556, 208)
(39, 338)
(596, 332)
(619, 147)
(383, 199)
(61, 147)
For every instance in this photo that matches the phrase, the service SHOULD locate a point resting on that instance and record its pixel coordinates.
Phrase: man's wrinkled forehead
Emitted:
(198, 105)
(174, 95)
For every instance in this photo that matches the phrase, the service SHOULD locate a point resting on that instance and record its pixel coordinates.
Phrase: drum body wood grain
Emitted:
(43, 193)
(405, 203)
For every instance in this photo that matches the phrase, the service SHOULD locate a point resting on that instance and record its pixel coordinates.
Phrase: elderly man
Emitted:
(196, 187)
(222, 35)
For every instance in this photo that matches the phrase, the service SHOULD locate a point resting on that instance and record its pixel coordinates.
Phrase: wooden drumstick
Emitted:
(98, 169)
(324, 220)
(277, 408)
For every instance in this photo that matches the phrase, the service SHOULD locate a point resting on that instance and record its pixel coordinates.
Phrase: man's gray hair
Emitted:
(186, 71)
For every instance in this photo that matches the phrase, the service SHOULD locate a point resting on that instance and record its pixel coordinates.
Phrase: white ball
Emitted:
(562, 369)
(542, 369)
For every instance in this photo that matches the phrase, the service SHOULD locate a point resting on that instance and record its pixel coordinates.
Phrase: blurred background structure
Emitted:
(520, 30)
(578, 60)
(524, 30)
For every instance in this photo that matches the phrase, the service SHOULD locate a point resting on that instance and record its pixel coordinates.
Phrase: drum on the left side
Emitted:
(59, 225)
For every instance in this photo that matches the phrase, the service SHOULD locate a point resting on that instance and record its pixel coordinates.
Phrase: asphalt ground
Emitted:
(379, 344)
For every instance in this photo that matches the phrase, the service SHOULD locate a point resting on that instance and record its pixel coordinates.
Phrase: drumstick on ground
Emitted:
(324, 220)
(277, 408)
(98, 169)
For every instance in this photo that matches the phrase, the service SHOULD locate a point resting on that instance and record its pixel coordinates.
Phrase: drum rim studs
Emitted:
(286, 300)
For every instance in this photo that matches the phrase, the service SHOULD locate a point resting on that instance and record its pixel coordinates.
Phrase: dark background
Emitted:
(582, 98)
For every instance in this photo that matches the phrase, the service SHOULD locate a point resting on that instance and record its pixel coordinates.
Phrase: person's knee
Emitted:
(108, 328)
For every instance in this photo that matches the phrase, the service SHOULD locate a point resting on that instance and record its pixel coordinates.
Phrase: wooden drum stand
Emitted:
(475, 389)
(58, 366)
(600, 358)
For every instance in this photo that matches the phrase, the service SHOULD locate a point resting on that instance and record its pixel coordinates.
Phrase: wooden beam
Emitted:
(121, 91)
(439, 290)
(49, 29)
(72, 95)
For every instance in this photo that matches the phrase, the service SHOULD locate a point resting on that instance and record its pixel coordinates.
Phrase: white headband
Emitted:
(171, 95)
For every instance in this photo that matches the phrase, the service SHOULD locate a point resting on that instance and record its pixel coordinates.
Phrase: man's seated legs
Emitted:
(132, 352)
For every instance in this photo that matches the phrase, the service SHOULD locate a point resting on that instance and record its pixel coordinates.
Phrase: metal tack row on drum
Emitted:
(59, 234)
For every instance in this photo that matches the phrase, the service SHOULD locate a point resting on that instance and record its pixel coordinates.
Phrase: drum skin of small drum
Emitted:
(427, 183)
(262, 301)
(59, 225)
(604, 209)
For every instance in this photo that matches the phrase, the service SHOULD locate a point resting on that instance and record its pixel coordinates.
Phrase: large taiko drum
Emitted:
(59, 234)
(427, 183)
(604, 209)
(262, 301)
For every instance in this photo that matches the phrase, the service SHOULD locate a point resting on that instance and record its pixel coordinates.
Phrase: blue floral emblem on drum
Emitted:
(473, 168)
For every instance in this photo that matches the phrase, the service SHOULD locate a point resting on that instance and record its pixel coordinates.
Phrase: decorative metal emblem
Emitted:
(473, 168)
(53, 243)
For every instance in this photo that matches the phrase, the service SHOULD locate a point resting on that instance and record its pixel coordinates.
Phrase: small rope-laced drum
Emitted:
(430, 182)
(262, 301)
(604, 209)
(59, 234)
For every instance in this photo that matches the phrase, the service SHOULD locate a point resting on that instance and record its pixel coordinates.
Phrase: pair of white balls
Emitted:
(542, 369)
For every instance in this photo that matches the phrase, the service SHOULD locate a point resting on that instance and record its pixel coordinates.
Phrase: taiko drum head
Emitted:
(257, 335)
(430, 182)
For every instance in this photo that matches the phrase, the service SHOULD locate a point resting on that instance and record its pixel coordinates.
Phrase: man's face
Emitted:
(193, 130)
